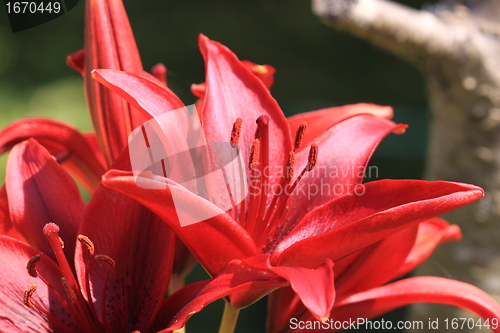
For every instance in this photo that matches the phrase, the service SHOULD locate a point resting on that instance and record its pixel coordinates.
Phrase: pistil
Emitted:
(263, 124)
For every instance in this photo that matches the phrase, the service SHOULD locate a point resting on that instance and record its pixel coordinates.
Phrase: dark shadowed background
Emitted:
(316, 67)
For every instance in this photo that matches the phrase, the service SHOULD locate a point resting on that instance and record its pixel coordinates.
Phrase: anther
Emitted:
(31, 266)
(69, 291)
(254, 154)
(313, 157)
(290, 166)
(259, 69)
(28, 295)
(85, 241)
(299, 136)
(257, 134)
(105, 259)
(235, 132)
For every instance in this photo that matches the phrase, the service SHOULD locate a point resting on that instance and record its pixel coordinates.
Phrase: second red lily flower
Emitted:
(293, 237)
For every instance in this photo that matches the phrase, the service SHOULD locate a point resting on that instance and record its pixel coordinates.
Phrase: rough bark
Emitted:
(457, 47)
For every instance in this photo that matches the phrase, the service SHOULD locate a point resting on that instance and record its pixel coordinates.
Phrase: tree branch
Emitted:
(412, 34)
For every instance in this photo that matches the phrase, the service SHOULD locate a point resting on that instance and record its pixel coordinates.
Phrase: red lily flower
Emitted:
(360, 280)
(295, 237)
(109, 43)
(69, 278)
(114, 279)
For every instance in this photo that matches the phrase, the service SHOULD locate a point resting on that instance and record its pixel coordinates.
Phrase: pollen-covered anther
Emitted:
(235, 132)
(28, 296)
(69, 291)
(31, 266)
(257, 134)
(313, 157)
(254, 154)
(299, 135)
(290, 166)
(259, 69)
(105, 259)
(85, 241)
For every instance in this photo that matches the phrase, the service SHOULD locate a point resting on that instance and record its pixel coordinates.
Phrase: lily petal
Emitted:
(80, 157)
(353, 222)
(321, 120)
(214, 242)
(431, 234)
(314, 287)
(234, 278)
(149, 97)
(142, 247)
(232, 92)
(40, 191)
(365, 272)
(264, 72)
(339, 168)
(15, 316)
(361, 271)
(76, 60)
(426, 289)
(283, 304)
(6, 226)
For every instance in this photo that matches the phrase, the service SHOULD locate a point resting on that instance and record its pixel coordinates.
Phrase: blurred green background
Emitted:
(316, 67)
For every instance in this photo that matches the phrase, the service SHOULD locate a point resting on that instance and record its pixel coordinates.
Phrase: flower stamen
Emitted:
(256, 181)
(299, 135)
(311, 162)
(290, 171)
(69, 291)
(83, 309)
(28, 295)
(31, 266)
(290, 166)
(235, 132)
(110, 263)
(105, 259)
(28, 301)
(254, 155)
(313, 157)
(85, 241)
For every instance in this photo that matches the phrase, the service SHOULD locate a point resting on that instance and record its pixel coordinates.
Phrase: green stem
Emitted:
(229, 319)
